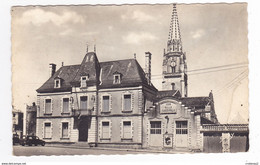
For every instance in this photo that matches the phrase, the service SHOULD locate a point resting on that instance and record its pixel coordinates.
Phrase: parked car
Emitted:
(16, 139)
(30, 140)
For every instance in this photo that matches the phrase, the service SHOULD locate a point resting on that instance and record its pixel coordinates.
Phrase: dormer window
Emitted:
(57, 83)
(83, 81)
(117, 78)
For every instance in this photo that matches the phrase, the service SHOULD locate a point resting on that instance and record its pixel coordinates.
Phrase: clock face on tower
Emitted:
(173, 63)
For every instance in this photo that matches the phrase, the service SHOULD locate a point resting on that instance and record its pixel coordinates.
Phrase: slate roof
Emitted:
(132, 75)
(66, 74)
(197, 102)
(89, 67)
(168, 93)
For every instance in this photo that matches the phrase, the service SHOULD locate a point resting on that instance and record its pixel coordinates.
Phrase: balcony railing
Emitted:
(225, 128)
(82, 112)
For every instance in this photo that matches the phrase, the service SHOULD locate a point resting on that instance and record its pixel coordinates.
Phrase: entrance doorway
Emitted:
(181, 134)
(156, 137)
(83, 129)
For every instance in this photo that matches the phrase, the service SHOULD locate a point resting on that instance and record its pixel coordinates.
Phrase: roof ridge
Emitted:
(70, 65)
(117, 60)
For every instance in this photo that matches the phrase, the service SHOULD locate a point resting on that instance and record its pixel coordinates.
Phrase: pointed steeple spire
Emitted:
(174, 39)
(174, 59)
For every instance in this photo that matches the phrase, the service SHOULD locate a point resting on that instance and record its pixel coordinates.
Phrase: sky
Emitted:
(212, 35)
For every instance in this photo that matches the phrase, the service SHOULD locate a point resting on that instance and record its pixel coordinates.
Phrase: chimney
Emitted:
(148, 56)
(52, 69)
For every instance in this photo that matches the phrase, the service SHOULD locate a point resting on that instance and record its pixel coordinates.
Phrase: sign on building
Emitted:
(168, 108)
(167, 140)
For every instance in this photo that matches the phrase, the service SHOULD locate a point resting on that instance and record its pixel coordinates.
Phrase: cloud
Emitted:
(89, 33)
(197, 34)
(66, 32)
(38, 17)
(138, 16)
(141, 16)
(138, 38)
(110, 28)
(70, 31)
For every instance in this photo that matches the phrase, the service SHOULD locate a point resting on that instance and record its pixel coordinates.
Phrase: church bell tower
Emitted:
(174, 59)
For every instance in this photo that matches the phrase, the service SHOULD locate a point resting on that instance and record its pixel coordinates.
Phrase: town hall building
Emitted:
(114, 103)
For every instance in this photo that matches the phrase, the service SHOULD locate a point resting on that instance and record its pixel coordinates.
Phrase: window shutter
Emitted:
(60, 129)
(122, 102)
(110, 129)
(121, 129)
(110, 104)
(100, 129)
(61, 105)
(43, 130)
(69, 126)
(51, 106)
(132, 101)
(132, 128)
(100, 103)
(51, 130)
(47, 130)
(44, 111)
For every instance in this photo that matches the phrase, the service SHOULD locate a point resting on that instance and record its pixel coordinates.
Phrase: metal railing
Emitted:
(81, 112)
(225, 127)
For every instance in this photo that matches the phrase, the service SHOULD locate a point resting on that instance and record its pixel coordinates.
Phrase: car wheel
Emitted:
(43, 143)
(30, 144)
(35, 144)
(22, 144)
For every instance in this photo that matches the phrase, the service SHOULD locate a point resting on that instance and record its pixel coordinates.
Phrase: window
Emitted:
(47, 130)
(105, 129)
(127, 130)
(181, 127)
(65, 130)
(47, 106)
(65, 105)
(83, 102)
(105, 104)
(117, 79)
(155, 127)
(127, 102)
(83, 82)
(57, 83)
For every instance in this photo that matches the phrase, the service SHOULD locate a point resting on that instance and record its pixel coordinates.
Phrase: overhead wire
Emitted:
(210, 71)
(210, 68)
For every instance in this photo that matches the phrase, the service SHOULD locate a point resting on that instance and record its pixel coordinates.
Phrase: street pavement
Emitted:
(56, 150)
(52, 149)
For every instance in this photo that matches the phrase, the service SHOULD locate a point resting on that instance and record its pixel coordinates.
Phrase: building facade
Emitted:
(31, 113)
(176, 119)
(101, 103)
(17, 122)
(114, 103)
